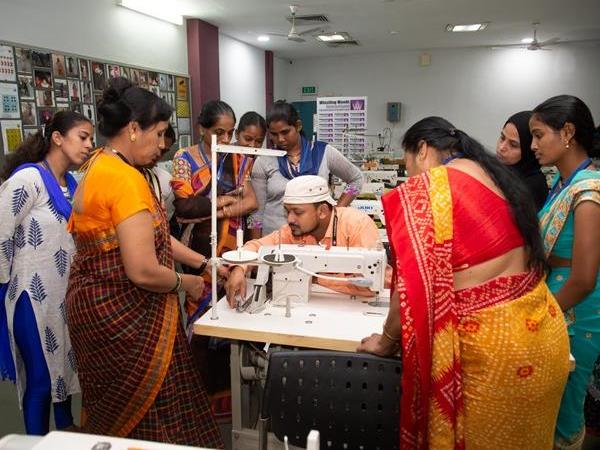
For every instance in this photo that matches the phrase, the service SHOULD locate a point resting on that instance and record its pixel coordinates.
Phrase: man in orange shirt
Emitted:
(313, 219)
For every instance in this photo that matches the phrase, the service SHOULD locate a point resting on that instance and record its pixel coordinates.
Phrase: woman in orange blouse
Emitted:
(123, 312)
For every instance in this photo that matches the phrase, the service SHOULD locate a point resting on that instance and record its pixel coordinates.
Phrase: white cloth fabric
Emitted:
(35, 256)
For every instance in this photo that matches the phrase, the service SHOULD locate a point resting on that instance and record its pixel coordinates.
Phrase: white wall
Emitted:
(476, 89)
(96, 29)
(242, 75)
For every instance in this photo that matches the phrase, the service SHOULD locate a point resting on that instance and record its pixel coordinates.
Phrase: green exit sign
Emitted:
(309, 90)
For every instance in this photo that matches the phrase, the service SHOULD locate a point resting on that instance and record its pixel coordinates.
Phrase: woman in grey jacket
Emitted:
(271, 174)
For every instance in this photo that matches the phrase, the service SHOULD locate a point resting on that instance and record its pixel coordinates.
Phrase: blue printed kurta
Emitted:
(35, 257)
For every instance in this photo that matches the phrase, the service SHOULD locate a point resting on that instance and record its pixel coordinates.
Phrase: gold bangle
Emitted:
(389, 336)
(177, 282)
(225, 213)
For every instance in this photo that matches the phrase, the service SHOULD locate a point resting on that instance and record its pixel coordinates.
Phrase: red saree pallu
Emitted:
(134, 361)
(449, 339)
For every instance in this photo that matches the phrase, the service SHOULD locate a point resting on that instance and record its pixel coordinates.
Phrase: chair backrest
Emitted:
(352, 399)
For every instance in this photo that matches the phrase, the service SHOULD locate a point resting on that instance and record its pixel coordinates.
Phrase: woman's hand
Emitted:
(378, 345)
(193, 285)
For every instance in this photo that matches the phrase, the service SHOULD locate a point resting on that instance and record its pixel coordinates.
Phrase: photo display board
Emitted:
(35, 83)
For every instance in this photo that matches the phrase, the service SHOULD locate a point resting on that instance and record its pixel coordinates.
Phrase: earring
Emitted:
(132, 137)
(566, 145)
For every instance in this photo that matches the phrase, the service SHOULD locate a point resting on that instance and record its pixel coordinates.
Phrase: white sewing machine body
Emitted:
(292, 267)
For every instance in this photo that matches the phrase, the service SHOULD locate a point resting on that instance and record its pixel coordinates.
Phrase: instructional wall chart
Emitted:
(35, 83)
(342, 122)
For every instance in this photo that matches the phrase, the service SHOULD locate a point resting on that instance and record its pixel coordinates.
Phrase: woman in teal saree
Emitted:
(563, 135)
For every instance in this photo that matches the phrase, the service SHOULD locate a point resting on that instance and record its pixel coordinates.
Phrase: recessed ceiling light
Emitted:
(467, 27)
(263, 38)
(394, 32)
(333, 37)
(527, 40)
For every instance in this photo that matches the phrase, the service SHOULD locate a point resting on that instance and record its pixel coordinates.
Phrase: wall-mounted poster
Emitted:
(58, 65)
(62, 106)
(153, 79)
(74, 92)
(8, 71)
(86, 92)
(126, 72)
(88, 111)
(44, 115)
(28, 113)
(84, 69)
(183, 108)
(41, 59)
(114, 71)
(143, 79)
(342, 121)
(27, 132)
(26, 89)
(9, 101)
(135, 77)
(44, 98)
(12, 135)
(163, 82)
(62, 90)
(72, 67)
(183, 124)
(42, 78)
(99, 75)
(23, 59)
(182, 88)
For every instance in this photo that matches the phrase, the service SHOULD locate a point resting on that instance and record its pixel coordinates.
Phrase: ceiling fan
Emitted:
(293, 34)
(534, 44)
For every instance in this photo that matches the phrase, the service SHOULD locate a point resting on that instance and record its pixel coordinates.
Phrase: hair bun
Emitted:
(115, 89)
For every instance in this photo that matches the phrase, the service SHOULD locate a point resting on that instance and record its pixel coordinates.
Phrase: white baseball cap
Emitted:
(307, 189)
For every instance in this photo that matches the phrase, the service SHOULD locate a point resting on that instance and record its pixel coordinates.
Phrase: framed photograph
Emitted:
(99, 75)
(41, 59)
(173, 119)
(12, 135)
(163, 82)
(62, 106)
(44, 98)
(23, 56)
(28, 113)
(61, 89)
(126, 72)
(84, 69)
(72, 66)
(58, 65)
(184, 125)
(154, 90)
(8, 70)
(153, 79)
(171, 100)
(27, 132)
(9, 101)
(44, 115)
(75, 106)
(88, 111)
(86, 92)
(143, 79)
(42, 78)
(135, 77)
(114, 71)
(26, 88)
(74, 91)
(171, 82)
(182, 88)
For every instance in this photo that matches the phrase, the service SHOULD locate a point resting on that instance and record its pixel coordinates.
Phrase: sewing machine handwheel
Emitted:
(271, 259)
(236, 256)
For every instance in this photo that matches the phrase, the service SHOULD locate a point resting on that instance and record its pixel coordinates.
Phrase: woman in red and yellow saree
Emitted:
(484, 346)
(134, 360)
(192, 183)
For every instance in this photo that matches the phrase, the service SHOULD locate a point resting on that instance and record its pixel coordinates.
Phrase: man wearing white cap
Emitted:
(313, 219)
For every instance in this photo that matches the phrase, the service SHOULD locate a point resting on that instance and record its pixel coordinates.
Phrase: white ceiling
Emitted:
(420, 23)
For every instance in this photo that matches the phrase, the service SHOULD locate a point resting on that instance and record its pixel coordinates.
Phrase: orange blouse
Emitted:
(112, 191)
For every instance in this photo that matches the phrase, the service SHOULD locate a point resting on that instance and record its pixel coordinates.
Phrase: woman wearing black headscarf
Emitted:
(514, 150)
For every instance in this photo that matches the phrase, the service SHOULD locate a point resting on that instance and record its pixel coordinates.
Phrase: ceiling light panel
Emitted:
(469, 27)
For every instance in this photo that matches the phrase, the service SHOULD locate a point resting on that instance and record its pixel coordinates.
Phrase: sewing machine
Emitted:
(381, 176)
(291, 269)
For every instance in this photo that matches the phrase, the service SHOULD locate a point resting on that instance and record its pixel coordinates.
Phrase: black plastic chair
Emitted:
(352, 399)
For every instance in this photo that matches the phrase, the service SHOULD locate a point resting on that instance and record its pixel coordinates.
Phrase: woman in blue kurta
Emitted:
(563, 135)
(35, 258)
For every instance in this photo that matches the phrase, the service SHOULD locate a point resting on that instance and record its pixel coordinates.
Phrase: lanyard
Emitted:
(334, 233)
(221, 167)
(558, 187)
(452, 157)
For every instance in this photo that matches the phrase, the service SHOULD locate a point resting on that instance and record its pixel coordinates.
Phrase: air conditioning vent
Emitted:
(309, 19)
(343, 44)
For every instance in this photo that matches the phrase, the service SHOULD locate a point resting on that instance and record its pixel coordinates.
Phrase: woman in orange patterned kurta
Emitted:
(484, 346)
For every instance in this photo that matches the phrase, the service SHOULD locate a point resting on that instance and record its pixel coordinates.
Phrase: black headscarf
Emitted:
(528, 168)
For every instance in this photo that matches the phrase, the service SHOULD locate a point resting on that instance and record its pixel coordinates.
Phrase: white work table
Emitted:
(329, 321)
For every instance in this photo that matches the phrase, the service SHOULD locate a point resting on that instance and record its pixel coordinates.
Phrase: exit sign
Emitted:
(309, 90)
